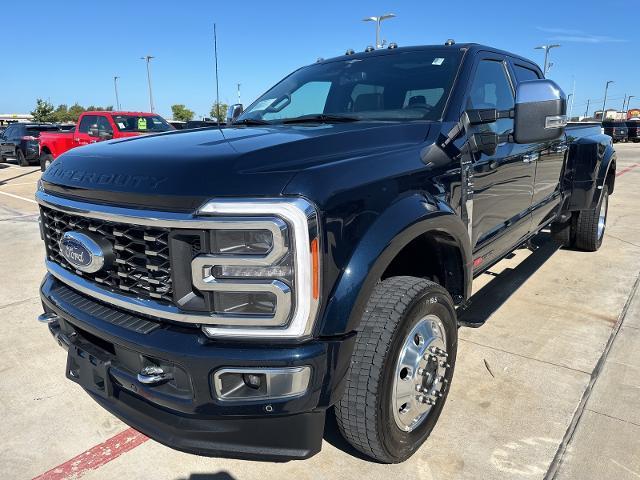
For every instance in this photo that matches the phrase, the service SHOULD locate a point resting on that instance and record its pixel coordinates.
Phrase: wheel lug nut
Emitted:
(418, 388)
(420, 371)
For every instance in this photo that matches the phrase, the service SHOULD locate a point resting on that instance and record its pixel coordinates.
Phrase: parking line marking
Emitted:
(628, 169)
(96, 457)
(15, 184)
(18, 197)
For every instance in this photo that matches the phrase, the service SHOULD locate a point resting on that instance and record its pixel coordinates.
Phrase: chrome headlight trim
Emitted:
(299, 215)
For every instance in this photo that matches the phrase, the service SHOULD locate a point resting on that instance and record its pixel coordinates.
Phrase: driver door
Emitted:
(81, 136)
(503, 182)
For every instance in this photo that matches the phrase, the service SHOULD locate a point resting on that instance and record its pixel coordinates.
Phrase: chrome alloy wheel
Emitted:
(602, 216)
(419, 378)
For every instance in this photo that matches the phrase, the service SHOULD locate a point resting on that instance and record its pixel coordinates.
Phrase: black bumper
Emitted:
(185, 414)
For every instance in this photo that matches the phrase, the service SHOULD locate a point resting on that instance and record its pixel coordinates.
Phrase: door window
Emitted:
(87, 123)
(491, 88)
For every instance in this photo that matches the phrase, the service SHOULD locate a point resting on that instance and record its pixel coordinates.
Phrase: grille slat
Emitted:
(141, 268)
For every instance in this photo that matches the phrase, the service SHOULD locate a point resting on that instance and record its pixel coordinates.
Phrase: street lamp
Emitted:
(378, 21)
(570, 104)
(115, 86)
(628, 103)
(546, 49)
(148, 59)
(604, 104)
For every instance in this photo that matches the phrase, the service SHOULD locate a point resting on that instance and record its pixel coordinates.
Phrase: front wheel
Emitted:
(45, 161)
(401, 369)
(591, 224)
(21, 159)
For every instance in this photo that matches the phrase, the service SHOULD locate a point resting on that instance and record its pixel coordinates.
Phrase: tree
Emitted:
(44, 111)
(219, 111)
(74, 112)
(61, 113)
(181, 113)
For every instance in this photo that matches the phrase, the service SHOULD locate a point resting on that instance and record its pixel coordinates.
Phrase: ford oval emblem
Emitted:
(82, 252)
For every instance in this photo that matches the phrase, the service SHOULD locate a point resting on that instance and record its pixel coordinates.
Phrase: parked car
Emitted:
(633, 127)
(201, 124)
(95, 127)
(20, 141)
(220, 290)
(178, 124)
(617, 130)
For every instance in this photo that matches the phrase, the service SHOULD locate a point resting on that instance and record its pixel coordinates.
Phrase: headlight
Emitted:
(262, 267)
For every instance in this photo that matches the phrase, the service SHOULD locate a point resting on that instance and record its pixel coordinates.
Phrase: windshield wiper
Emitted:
(321, 118)
(251, 121)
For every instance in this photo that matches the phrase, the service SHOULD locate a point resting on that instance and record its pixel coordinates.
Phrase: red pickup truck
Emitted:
(98, 126)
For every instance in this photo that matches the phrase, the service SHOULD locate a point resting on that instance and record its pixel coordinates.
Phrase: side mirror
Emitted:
(233, 112)
(540, 112)
(105, 135)
(93, 131)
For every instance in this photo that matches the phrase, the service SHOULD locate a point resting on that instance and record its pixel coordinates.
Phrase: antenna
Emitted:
(215, 49)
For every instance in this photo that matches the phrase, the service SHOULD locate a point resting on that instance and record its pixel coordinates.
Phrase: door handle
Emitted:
(530, 157)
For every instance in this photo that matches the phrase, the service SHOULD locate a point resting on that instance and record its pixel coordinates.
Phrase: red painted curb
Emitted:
(96, 456)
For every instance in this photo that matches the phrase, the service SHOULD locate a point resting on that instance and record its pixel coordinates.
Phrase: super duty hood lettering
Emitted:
(117, 179)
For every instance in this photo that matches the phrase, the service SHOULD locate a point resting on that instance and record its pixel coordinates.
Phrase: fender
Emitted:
(593, 158)
(395, 228)
(608, 160)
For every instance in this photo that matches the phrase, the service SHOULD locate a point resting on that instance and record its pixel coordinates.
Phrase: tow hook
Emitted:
(153, 375)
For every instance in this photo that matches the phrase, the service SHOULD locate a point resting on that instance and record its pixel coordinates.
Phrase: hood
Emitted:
(181, 169)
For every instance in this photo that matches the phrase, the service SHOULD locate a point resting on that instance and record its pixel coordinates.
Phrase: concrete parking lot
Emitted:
(548, 388)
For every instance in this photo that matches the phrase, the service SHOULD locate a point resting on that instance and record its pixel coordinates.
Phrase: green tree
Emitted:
(74, 112)
(61, 114)
(181, 113)
(44, 111)
(93, 108)
(219, 111)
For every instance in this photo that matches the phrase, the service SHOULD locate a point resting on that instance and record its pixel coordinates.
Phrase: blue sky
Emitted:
(70, 54)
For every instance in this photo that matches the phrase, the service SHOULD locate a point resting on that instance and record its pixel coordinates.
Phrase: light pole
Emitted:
(604, 104)
(569, 103)
(115, 86)
(378, 21)
(586, 113)
(148, 60)
(628, 102)
(239, 93)
(546, 49)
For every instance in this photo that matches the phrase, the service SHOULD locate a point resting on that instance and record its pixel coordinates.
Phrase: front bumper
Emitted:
(184, 413)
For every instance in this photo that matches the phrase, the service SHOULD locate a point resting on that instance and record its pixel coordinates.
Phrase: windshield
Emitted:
(397, 87)
(141, 124)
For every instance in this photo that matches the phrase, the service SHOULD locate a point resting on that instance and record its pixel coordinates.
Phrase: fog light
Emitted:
(245, 384)
(252, 380)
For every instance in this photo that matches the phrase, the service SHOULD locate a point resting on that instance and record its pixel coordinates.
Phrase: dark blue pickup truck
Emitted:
(220, 290)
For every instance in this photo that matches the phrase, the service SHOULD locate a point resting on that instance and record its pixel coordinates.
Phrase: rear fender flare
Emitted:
(609, 159)
(394, 229)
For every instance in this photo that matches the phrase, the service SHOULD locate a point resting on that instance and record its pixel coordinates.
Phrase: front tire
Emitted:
(20, 158)
(591, 224)
(401, 369)
(45, 160)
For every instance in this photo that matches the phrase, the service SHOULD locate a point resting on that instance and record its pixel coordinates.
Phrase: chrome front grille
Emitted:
(142, 266)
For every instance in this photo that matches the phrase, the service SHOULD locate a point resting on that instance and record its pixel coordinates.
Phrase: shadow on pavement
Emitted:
(209, 476)
(490, 298)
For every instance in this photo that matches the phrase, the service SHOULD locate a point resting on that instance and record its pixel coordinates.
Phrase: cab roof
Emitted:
(470, 47)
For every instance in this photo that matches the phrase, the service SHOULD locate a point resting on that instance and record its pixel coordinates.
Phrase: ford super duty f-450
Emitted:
(220, 290)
